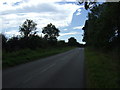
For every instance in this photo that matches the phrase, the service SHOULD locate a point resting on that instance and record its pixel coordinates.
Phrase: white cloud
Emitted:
(40, 11)
(79, 10)
(13, 32)
(65, 29)
(69, 33)
(78, 27)
(78, 13)
(12, 4)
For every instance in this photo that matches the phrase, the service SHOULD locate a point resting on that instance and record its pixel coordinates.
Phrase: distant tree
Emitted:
(51, 32)
(72, 41)
(28, 28)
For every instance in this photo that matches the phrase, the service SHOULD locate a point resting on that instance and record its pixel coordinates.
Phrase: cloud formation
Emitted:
(78, 12)
(13, 32)
(78, 27)
(14, 12)
(42, 12)
(69, 33)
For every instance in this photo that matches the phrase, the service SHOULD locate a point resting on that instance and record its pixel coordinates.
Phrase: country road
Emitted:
(65, 70)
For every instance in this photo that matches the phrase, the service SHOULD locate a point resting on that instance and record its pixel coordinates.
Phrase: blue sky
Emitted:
(64, 14)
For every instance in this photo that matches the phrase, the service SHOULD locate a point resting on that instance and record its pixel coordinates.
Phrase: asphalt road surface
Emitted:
(65, 70)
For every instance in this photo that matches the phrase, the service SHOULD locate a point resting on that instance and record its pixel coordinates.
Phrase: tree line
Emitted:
(30, 39)
(102, 28)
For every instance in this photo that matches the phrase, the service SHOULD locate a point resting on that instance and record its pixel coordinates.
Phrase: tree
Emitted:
(72, 41)
(28, 28)
(102, 27)
(51, 32)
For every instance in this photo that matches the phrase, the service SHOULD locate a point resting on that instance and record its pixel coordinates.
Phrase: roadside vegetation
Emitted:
(102, 69)
(102, 51)
(30, 46)
(27, 55)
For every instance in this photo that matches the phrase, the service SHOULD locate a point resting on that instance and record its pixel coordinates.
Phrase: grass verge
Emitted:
(101, 69)
(27, 55)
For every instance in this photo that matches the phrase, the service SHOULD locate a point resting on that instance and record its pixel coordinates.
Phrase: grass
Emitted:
(101, 69)
(27, 55)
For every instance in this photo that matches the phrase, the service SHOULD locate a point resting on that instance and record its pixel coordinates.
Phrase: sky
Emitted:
(66, 15)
